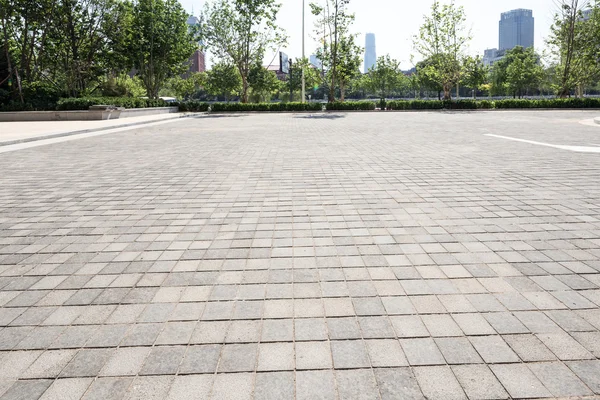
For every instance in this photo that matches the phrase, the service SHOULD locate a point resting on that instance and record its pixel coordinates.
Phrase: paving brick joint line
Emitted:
(387, 256)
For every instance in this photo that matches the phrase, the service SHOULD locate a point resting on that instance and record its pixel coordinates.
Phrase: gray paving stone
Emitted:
(29, 389)
(125, 361)
(350, 354)
(564, 346)
(176, 333)
(163, 360)
(397, 384)
(589, 340)
(149, 387)
(559, 379)
(313, 355)
(473, 324)
(409, 326)
(108, 388)
(376, 327)
(458, 350)
(49, 364)
(588, 372)
(238, 358)
(356, 384)
(274, 386)
(479, 382)
(441, 325)
(343, 328)
(386, 353)
(142, 335)
(276, 357)
(67, 389)
(319, 385)
(277, 330)
(191, 387)
(200, 359)
(529, 348)
(87, 363)
(519, 381)
(422, 352)
(506, 323)
(438, 383)
(493, 349)
(15, 363)
(243, 384)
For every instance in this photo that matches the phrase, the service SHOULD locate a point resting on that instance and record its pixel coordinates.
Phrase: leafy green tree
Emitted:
(349, 61)
(575, 42)
(263, 83)
(423, 78)
(121, 85)
(442, 41)
(311, 75)
(517, 72)
(385, 77)
(476, 74)
(240, 31)
(223, 80)
(332, 26)
(161, 42)
(185, 87)
(77, 41)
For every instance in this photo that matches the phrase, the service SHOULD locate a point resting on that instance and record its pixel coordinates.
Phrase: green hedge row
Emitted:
(488, 105)
(193, 106)
(269, 107)
(84, 103)
(351, 106)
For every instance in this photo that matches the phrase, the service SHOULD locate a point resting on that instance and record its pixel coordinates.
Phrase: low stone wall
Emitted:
(89, 115)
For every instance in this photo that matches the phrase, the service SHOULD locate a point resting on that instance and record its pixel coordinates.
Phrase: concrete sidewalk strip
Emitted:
(18, 132)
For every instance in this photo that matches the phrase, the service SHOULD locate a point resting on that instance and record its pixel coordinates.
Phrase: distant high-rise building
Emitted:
(197, 61)
(587, 14)
(491, 56)
(314, 60)
(516, 29)
(370, 52)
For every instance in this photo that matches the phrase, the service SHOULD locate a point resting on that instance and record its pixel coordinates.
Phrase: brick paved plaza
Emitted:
(345, 256)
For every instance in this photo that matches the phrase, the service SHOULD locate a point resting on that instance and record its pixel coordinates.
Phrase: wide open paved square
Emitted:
(351, 256)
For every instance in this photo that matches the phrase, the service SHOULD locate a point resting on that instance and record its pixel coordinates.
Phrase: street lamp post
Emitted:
(303, 79)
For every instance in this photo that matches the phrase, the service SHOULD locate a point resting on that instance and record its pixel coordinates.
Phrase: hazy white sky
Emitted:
(394, 22)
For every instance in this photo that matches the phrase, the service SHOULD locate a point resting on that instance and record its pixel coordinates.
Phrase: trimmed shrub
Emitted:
(586, 102)
(265, 107)
(351, 106)
(193, 106)
(84, 103)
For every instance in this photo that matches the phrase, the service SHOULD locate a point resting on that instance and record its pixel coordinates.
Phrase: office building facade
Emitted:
(370, 52)
(517, 28)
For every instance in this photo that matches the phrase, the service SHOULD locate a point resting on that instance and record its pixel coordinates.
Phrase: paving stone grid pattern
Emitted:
(357, 256)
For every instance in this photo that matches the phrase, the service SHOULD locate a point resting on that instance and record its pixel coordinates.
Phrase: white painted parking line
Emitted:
(577, 149)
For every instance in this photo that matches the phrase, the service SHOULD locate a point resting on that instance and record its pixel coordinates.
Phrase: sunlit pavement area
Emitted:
(326, 256)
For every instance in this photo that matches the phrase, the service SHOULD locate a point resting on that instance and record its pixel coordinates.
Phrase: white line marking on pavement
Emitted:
(578, 149)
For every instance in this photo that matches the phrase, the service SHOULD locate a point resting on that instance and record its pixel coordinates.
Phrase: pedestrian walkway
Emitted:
(371, 256)
(14, 132)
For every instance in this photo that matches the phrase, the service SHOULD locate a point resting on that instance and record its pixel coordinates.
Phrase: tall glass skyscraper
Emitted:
(516, 29)
(370, 52)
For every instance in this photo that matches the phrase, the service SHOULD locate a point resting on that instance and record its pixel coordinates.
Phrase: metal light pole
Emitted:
(303, 80)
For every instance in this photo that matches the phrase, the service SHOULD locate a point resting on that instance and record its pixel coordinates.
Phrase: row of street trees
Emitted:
(53, 48)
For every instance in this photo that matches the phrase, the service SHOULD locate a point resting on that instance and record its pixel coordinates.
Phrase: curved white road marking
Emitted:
(578, 149)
